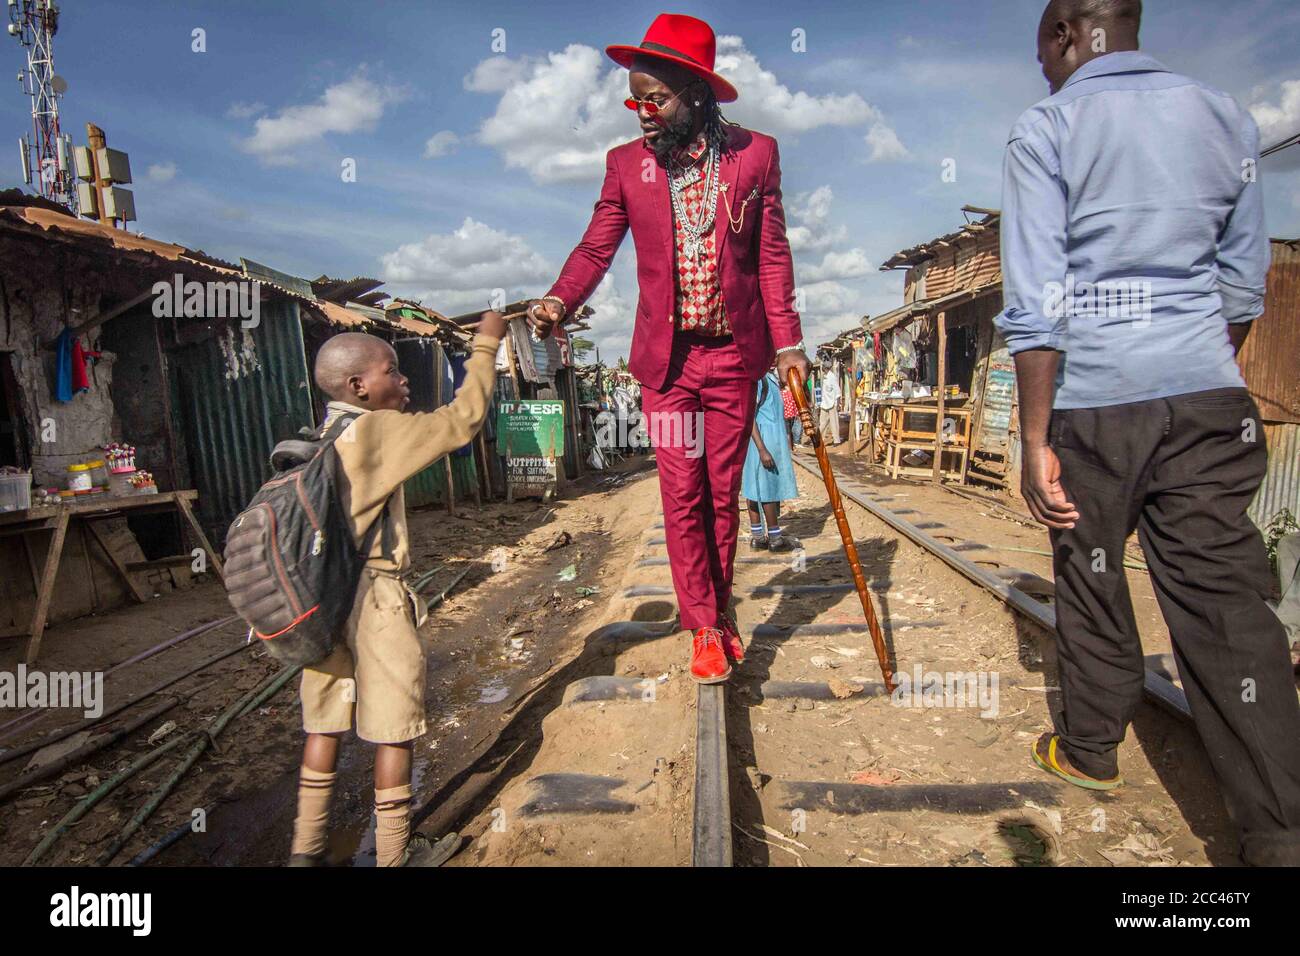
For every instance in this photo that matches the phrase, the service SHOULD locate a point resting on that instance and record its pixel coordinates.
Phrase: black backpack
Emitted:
(291, 568)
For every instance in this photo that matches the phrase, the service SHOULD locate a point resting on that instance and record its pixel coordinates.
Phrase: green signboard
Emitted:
(531, 428)
(530, 433)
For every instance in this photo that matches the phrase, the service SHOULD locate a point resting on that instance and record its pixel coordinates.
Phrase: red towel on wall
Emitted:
(80, 380)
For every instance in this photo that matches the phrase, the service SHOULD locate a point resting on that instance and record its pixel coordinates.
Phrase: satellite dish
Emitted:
(60, 85)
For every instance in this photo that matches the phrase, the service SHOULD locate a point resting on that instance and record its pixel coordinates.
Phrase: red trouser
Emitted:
(700, 426)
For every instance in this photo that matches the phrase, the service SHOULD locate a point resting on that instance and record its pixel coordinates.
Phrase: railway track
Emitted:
(801, 742)
(802, 758)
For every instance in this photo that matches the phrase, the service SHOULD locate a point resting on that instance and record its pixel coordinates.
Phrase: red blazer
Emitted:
(754, 264)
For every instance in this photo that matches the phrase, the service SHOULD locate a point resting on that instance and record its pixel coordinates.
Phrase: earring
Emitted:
(697, 102)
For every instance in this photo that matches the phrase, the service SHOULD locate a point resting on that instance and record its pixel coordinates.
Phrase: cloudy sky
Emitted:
(477, 130)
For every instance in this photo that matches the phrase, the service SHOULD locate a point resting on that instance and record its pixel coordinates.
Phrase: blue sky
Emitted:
(477, 169)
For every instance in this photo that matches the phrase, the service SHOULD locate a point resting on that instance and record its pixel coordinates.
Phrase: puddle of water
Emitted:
(493, 692)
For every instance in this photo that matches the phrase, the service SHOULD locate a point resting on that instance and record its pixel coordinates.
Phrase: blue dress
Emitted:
(757, 483)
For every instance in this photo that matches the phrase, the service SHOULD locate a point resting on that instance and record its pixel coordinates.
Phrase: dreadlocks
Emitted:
(715, 124)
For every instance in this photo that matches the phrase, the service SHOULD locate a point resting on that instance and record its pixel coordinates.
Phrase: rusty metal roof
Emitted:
(928, 250)
(42, 221)
(95, 237)
(345, 290)
(341, 315)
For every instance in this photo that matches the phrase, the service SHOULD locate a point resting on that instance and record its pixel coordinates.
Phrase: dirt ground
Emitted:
(851, 777)
(563, 718)
(496, 646)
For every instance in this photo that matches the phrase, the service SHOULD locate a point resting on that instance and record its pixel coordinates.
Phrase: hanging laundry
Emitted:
(70, 367)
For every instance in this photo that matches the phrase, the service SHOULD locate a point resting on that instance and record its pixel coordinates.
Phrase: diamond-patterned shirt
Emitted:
(699, 305)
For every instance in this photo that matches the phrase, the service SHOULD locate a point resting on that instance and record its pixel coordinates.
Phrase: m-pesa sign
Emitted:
(528, 428)
(530, 434)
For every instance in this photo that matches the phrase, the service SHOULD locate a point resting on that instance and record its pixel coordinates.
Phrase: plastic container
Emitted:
(98, 473)
(119, 483)
(79, 478)
(15, 492)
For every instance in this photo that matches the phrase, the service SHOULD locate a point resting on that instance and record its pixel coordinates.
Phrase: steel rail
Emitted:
(1158, 689)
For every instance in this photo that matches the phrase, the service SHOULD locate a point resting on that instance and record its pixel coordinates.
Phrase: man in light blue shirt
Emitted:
(1134, 257)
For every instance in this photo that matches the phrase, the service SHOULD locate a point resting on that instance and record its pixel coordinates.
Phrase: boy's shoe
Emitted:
(783, 542)
(421, 851)
(308, 859)
(731, 642)
(758, 542)
(709, 663)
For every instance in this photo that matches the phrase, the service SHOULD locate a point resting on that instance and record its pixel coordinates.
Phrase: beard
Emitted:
(672, 136)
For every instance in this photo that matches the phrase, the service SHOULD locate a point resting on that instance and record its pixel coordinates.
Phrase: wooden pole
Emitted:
(854, 447)
(842, 522)
(514, 366)
(446, 459)
(938, 422)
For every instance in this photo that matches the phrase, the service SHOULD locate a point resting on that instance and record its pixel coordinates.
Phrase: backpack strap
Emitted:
(383, 525)
(331, 432)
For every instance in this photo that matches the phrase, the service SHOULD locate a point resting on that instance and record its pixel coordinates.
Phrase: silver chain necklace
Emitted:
(695, 231)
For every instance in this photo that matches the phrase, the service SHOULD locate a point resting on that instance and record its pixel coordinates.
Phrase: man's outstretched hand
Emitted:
(1040, 483)
(794, 359)
(544, 315)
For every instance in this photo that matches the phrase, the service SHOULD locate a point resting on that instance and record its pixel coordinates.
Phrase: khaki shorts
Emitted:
(378, 673)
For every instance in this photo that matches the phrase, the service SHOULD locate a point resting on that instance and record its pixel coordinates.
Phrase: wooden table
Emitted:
(56, 518)
(900, 438)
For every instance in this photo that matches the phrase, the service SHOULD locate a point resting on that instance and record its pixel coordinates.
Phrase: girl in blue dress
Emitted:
(768, 478)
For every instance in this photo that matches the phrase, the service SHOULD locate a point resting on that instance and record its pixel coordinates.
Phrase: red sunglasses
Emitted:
(652, 108)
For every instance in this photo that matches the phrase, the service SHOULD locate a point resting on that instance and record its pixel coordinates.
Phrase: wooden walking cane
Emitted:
(795, 381)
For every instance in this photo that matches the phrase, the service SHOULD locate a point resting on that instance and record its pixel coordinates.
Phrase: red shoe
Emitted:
(731, 638)
(708, 659)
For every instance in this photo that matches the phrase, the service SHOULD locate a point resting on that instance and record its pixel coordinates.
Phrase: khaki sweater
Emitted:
(382, 449)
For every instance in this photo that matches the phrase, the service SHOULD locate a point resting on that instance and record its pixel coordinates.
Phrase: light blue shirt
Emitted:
(1132, 233)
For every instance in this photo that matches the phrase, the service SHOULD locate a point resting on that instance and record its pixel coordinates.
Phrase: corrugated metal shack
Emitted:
(1270, 360)
(960, 275)
(202, 397)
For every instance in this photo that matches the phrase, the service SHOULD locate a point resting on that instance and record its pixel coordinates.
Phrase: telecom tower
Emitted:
(47, 155)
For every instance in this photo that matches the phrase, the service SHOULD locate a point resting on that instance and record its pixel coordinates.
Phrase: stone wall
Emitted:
(63, 432)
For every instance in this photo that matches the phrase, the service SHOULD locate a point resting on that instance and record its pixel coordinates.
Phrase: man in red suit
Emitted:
(702, 197)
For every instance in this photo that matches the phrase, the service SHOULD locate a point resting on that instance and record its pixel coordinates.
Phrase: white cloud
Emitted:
(1276, 123)
(355, 105)
(440, 144)
(558, 115)
(456, 272)
(810, 231)
(849, 264)
(497, 74)
(611, 326)
(767, 105)
(161, 172)
(808, 225)
(885, 145)
(241, 110)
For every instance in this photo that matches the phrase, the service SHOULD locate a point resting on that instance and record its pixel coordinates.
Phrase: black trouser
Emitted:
(1182, 470)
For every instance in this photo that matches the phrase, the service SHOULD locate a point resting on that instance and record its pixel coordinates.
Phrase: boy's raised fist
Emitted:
(493, 324)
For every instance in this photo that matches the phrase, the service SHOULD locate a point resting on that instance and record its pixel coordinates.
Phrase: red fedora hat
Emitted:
(679, 39)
